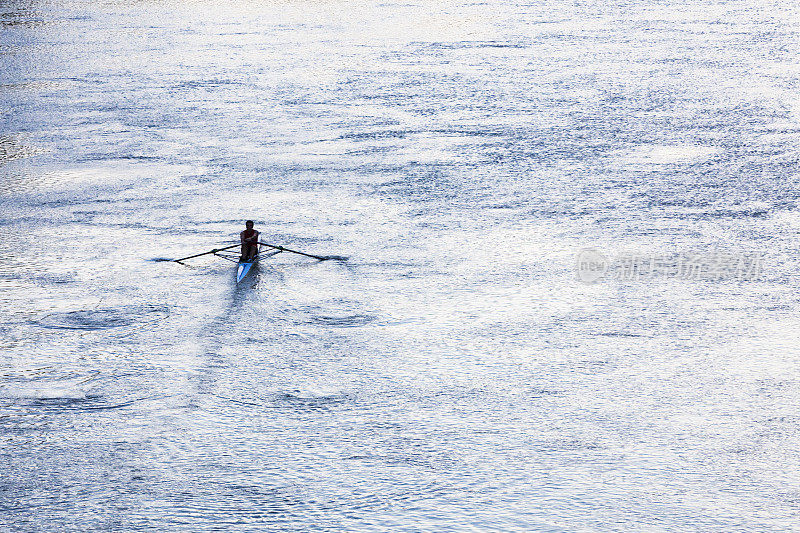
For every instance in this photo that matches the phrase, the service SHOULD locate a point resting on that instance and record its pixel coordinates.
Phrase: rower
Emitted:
(249, 238)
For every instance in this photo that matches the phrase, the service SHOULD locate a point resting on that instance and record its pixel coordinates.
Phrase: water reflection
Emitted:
(453, 373)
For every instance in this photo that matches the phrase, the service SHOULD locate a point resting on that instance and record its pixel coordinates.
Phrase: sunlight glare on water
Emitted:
(453, 373)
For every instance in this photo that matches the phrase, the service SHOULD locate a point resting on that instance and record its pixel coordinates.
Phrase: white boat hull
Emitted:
(244, 268)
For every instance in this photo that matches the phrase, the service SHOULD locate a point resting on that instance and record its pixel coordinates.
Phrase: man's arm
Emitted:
(251, 240)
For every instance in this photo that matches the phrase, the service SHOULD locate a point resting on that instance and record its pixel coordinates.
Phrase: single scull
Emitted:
(244, 268)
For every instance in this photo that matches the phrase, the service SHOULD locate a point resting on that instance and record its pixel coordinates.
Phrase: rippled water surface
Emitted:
(454, 373)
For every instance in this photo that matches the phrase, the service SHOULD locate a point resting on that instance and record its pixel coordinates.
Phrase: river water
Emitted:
(464, 369)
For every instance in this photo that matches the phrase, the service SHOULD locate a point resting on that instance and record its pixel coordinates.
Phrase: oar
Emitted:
(282, 249)
(215, 250)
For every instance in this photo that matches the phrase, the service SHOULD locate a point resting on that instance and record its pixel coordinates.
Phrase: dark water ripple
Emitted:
(99, 319)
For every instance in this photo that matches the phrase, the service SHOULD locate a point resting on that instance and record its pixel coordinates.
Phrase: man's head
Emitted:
(248, 224)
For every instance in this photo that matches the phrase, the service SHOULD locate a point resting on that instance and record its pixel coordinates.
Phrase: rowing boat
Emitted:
(243, 268)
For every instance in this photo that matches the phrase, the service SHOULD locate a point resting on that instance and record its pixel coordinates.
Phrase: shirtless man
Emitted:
(249, 238)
